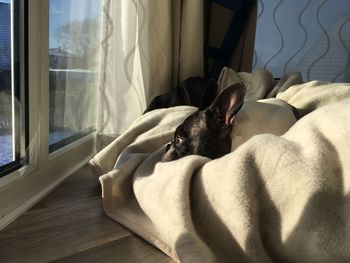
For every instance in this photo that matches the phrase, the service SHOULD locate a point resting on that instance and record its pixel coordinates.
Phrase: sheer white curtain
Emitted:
(148, 46)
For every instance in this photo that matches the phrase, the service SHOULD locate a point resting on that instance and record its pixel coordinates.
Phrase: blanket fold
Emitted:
(274, 199)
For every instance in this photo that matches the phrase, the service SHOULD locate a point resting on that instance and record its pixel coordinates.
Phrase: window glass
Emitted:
(12, 101)
(74, 42)
(6, 137)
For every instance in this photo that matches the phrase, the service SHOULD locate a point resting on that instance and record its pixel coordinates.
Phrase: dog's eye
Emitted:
(178, 140)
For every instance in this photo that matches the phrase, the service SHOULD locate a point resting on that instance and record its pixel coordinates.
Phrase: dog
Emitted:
(194, 91)
(227, 123)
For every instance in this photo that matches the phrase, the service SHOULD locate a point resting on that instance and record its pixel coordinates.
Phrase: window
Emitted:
(49, 70)
(13, 104)
(74, 34)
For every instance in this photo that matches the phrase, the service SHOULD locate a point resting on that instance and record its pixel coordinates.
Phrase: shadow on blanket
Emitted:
(218, 236)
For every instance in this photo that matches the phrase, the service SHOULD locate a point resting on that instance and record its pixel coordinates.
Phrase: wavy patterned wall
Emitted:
(311, 36)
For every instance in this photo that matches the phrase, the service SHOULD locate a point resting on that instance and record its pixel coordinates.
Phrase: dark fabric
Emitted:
(194, 91)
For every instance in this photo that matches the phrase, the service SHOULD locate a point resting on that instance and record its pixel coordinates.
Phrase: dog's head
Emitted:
(208, 132)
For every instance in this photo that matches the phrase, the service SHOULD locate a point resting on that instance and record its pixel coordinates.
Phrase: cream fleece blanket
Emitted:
(274, 199)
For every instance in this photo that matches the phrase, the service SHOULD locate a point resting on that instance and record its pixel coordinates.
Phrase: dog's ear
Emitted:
(228, 103)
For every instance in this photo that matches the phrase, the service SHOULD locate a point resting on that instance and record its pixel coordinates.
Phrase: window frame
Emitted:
(42, 170)
(19, 86)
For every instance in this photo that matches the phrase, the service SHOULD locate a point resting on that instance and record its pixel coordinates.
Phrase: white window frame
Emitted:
(24, 187)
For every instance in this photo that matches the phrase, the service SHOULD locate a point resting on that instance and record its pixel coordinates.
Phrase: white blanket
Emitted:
(274, 199)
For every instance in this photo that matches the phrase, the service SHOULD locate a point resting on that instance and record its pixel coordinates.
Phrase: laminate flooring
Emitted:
(69, 225)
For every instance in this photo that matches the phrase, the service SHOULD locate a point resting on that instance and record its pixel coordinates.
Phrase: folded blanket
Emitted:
(275, 198)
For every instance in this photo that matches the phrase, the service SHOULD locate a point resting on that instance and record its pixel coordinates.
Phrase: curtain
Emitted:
(148, 47)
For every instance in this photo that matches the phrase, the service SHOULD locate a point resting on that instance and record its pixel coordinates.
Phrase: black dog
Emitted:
(224, 126)
(208, 132)
(194, 91)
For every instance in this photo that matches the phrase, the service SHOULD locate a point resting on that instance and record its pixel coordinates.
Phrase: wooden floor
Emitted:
(69, 226)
